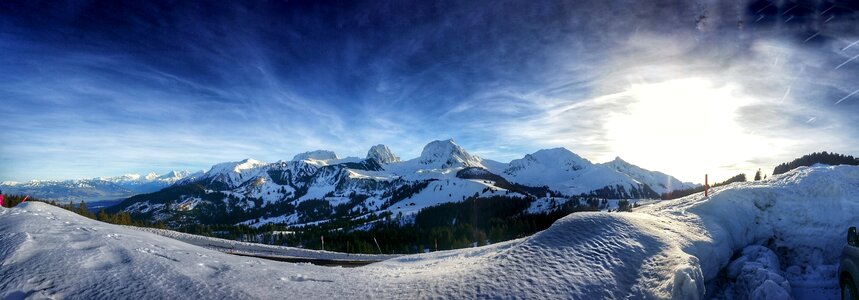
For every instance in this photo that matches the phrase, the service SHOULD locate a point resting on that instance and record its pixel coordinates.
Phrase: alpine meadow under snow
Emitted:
(766, 239)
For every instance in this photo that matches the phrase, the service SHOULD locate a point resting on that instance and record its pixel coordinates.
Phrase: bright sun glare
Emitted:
(685, 127)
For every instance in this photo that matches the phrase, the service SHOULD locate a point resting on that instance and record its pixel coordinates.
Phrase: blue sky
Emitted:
(97, 88)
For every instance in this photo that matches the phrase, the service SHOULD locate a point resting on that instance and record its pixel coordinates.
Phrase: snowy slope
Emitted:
(233, 174)
(382, 154)
(443, 191)
(447, 154)
(567, 173)
(105, 261)
(671, 249)
(260, 249)
(315, 155)
(658, 181)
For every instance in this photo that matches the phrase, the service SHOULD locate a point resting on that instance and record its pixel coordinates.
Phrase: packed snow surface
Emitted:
(765, 239)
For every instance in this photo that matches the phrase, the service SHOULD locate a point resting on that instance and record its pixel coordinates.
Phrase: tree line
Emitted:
(686, 192)
(119, 218)
(472, 222)
(10, 201)
(808, 160)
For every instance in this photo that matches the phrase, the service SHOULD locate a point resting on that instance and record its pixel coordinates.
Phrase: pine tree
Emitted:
(758, 175)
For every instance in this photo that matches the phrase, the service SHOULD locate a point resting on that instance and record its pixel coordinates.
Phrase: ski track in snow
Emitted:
(671, 249)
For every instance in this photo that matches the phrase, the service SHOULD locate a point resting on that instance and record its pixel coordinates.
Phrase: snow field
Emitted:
(764, 239)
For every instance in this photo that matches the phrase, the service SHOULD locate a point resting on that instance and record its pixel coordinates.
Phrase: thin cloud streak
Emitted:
(153, 91)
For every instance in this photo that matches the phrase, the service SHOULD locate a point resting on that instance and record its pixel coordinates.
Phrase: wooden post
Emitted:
(706, 186)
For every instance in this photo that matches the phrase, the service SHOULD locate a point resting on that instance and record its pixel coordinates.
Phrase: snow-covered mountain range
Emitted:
(250, 190)
(99, 188)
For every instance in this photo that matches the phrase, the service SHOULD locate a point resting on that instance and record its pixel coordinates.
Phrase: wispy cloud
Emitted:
(101, 91)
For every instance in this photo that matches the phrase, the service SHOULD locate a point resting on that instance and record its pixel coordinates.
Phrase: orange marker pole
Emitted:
(25, 198)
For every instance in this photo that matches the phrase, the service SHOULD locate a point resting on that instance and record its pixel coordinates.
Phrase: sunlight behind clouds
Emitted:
(686, 127)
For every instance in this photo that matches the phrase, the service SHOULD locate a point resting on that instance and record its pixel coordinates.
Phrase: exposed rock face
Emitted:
(382, 154)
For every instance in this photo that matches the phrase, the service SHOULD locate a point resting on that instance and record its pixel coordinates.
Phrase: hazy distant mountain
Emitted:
(99, 188)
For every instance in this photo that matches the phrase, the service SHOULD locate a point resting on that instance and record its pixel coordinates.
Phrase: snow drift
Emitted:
(783, 234)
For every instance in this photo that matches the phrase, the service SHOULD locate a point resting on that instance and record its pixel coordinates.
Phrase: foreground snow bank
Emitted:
(791, 227)
(756, 273)
(50, 252)
(802, 216)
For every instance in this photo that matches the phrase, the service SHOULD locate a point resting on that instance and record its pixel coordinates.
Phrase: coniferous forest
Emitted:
(472, 222)
(824, 157)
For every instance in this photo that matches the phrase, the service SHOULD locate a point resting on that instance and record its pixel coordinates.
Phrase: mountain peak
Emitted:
(382, 154)
(315, 155)
(619, 160)
(448, 154)
(174, 175)
(236, 167)
(151, 176)
(559, 156)
(129, 176)
(658, 181)
(248, 163)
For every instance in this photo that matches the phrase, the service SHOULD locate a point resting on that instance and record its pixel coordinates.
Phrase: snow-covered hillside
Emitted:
(447, 154)
(570, 174)
(99, 188)
(762, 240)
(382, 183)
(382, 154)
(658, 181)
